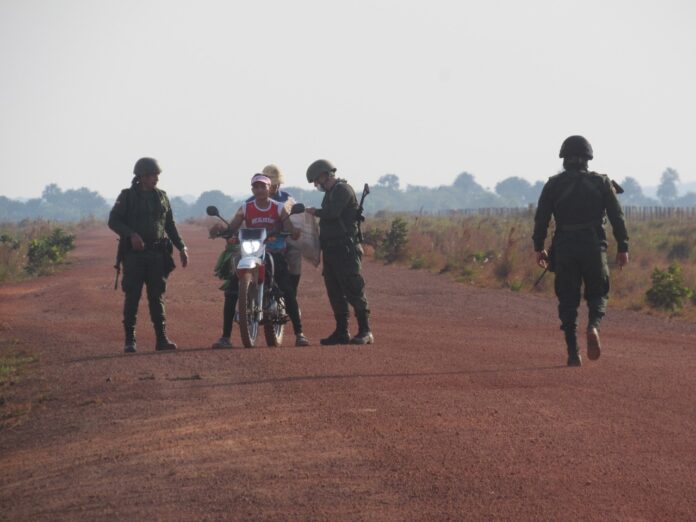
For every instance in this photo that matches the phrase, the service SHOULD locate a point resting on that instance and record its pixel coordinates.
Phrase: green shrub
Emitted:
(668, 290)
(45, 252)
(393, 246)
(10, 242)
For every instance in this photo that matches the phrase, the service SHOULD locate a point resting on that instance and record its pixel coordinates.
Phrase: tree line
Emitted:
(386, 195)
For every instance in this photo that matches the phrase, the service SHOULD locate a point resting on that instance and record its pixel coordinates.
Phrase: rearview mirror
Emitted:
(297, 208)
(212, 211)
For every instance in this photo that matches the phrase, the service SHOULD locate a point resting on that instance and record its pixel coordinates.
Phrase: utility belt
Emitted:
(579, 226)
(160, 244)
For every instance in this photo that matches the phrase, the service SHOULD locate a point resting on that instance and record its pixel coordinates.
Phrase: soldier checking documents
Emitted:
(142, 217)
(579, 200)
(341, 253)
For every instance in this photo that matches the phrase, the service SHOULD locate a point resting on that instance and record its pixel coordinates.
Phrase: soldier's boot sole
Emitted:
(165, 347)
(594, 349)
(366, 338)
(129, 348)
(333, 340)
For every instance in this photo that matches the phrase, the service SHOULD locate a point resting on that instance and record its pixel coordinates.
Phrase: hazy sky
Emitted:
(421, 89)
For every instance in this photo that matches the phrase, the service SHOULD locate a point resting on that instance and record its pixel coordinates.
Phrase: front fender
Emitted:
(249, 263)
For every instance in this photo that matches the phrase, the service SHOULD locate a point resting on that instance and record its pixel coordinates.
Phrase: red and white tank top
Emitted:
(268, 218)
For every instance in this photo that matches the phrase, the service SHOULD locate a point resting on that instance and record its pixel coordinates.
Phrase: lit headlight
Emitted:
(249, 247)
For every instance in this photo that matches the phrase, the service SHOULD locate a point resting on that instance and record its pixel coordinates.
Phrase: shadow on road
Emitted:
(121, 355)
(300, 378)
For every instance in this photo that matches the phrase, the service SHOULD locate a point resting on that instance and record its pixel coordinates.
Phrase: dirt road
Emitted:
(462, 410)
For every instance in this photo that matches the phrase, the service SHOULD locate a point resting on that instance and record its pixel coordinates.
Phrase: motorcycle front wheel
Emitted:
(248, 323)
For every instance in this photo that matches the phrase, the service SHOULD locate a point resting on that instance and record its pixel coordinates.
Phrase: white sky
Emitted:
(422, 89)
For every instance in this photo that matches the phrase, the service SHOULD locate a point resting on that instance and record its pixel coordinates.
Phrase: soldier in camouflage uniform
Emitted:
(341, 253)
(141, 217)
(579, 200)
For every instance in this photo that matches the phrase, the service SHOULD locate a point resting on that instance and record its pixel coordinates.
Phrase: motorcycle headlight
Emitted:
(250, 247)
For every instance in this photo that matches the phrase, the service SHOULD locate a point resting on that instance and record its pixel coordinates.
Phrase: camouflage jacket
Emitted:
(338, 213)
(146, 212)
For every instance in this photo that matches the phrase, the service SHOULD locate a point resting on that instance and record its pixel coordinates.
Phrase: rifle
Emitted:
(550, 264)
(359, 215)
(540, 277)
(120, 251)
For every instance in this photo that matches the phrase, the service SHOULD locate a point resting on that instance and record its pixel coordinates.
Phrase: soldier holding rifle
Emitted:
(579, 200)
(339, 236)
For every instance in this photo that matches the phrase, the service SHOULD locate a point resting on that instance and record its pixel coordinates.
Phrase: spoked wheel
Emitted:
(248, 306)
(273, 320)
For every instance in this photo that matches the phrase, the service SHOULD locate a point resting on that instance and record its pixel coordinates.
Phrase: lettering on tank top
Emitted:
(268, 218)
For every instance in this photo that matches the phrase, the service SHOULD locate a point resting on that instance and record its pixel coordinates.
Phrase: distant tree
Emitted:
(180, 208)
(52, 193)
(667, 191)
(466, 181)
(633, 194)
(86, 202)
(11, 210)
(515, 190)
(389, 181)
(632, 189)
(224, 203)
(69, 205)
(687, 200)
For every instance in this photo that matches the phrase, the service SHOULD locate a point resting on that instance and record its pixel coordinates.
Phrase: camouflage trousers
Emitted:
(342, 276)
(144, 268)
(581, 264)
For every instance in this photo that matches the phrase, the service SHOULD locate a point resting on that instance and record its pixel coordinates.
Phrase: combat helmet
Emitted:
(146, 166)
(318, 168)
(576, 146)
(274, 174)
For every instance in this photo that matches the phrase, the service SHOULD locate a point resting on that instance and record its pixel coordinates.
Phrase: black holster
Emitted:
(168, 251)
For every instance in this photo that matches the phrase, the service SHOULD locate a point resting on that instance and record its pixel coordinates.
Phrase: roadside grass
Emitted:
(497, 252)
(34, 248)
(15, 365)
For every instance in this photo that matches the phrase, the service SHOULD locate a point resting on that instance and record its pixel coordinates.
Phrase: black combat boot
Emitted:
(340, 335)
(364, 334)
(571, 340)
(163, 342)
(129, 346)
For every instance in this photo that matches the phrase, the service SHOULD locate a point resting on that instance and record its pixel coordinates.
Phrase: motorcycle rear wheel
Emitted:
(272, 324)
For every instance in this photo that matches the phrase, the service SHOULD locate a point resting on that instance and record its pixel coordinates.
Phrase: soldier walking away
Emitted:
(579, 200)
(142, 217)
(341, 253)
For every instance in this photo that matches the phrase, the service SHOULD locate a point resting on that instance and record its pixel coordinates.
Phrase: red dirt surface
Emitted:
(462, 410)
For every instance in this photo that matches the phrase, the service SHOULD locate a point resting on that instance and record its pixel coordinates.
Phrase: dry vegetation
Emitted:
(497, 252)
(32, 248)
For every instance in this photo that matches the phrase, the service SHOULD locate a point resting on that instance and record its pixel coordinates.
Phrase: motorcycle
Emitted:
(260, 301)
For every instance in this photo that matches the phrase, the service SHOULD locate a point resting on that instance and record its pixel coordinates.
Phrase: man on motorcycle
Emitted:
(263, 212)
(293, 254)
